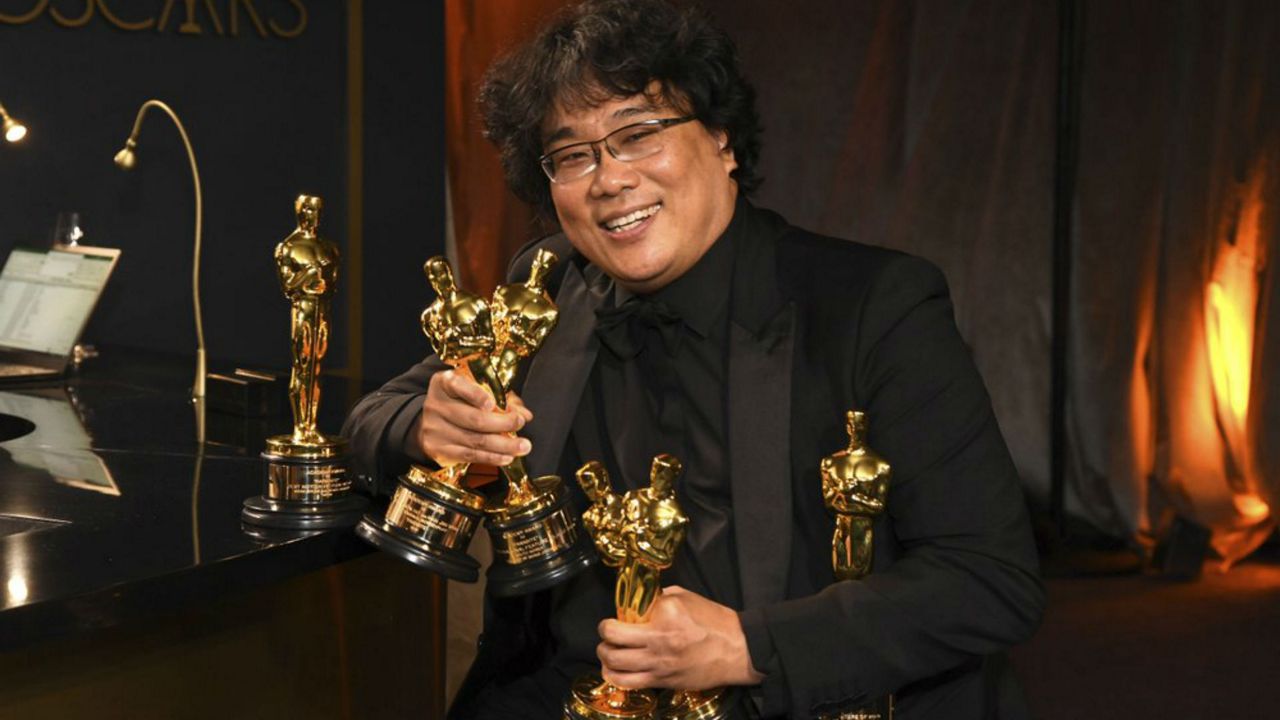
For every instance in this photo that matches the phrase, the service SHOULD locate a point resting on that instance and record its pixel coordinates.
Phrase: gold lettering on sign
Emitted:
(123, 25)
(213, 16)
(188, 26)
(81, 21)
(253, 15)
(297, 29)
(30, 15)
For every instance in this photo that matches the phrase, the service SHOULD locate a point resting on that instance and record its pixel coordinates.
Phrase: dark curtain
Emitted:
(927, 127)
(1171, 407)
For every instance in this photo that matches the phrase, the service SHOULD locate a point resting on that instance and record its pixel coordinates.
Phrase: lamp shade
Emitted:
(14, 131)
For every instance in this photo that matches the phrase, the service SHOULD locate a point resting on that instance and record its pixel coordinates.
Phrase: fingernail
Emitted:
(525, 446)
(505, 460)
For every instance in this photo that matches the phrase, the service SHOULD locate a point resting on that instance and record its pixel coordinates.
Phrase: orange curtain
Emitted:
(489, 223)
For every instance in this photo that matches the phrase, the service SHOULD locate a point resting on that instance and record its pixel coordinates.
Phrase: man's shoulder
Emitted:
(813, 264)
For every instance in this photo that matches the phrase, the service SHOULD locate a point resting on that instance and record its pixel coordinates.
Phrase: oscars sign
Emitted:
(284, 19)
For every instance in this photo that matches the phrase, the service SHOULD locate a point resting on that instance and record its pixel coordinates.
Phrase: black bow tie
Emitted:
(622, 329)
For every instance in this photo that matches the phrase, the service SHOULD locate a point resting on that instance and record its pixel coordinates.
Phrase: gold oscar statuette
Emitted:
(855, 487)
(638, 533)
(432, 516)
(308, 485)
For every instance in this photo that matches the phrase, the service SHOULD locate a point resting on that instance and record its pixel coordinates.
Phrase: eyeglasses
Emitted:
(628, 144)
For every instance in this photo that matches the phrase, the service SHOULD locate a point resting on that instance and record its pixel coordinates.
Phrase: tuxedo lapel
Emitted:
(559, 370)
(761, 345)
(760, 455)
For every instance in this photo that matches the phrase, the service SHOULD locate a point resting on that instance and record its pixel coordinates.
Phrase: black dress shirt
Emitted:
(669, 397)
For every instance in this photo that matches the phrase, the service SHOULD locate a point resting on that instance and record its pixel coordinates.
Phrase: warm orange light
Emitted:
(1230, 313)
(1252, 508)
(1231, 302)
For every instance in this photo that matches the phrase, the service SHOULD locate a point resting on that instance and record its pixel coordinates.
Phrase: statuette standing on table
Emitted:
(308, 483)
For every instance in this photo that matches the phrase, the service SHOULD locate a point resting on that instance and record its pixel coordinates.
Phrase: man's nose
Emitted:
(612, 175)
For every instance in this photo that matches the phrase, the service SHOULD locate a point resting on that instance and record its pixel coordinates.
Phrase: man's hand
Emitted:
(459, 423)
(689, 643)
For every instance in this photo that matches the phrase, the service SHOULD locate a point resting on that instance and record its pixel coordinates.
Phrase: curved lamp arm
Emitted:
(126, 160)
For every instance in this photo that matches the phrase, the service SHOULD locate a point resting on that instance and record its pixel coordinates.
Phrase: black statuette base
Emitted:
(452, 563)
(512, 580)
(293, 515)
(537, 551)
(428, 523)
(305, 494)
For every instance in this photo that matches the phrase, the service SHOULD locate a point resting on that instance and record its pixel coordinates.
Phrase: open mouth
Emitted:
(631, 220)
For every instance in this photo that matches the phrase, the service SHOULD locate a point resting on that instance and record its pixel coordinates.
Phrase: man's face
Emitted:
(680, 199)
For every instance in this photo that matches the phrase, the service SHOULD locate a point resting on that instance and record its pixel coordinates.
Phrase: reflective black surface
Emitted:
(111, 510)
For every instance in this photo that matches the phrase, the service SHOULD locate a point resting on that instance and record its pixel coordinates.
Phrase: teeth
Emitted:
(630, 220)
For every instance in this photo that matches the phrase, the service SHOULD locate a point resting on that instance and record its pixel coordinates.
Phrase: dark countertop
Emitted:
(110, 511)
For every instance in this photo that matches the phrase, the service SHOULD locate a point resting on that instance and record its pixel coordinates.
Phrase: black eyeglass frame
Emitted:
(661, 123)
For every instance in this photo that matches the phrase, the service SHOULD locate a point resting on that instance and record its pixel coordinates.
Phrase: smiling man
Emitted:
(696, 324)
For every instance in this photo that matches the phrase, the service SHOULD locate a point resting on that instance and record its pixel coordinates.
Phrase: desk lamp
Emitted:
(126, 160)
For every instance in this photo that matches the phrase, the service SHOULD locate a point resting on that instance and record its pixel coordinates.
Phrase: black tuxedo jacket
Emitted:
(818, 326)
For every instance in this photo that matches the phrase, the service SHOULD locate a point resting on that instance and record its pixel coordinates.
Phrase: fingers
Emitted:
(628, 667)
(470, 406)
(624, 660)
(479, 448)
(630, 680)
(475, 420)
(624, 635)
(514, 403)
(464, 389)
(459, 424)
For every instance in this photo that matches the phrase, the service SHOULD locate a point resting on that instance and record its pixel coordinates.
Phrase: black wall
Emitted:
(269, 118)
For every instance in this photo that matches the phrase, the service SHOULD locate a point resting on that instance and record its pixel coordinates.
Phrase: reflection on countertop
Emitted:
(116, 511)
(58, 442)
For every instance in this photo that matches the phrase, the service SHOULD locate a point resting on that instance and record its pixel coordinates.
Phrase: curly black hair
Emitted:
(605, 49)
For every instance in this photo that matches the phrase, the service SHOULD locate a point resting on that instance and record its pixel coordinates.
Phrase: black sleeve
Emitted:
(381, 425)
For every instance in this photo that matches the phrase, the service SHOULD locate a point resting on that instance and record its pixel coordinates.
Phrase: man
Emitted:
(694, 323)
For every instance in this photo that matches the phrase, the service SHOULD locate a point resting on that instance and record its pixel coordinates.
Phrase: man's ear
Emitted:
(726, 150)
